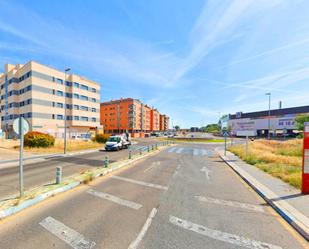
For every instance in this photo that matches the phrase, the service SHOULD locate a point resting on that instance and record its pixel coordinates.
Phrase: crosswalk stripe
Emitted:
(195, 152)
(179, 150)
(139, 182)
(221, 236)
(115, 199)
(170, 150)
(66, 234)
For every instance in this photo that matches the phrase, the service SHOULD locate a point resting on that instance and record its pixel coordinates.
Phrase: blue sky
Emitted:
(193, 60)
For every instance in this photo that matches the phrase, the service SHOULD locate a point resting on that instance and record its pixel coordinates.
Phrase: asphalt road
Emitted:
(43, 172)
(184, 197)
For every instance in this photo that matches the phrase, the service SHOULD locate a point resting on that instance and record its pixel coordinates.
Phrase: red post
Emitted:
(305, 170)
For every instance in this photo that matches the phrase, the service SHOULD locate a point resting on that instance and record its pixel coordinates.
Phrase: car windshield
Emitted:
(114, 139)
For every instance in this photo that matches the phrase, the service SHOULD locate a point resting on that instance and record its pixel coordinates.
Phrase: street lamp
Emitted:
(65, 112)
(269, 99)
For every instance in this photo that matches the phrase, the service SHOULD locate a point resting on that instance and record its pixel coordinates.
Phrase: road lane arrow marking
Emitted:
(206, 171)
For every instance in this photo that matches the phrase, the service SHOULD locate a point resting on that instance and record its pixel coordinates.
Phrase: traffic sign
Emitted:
(24, 124)
(226, 134)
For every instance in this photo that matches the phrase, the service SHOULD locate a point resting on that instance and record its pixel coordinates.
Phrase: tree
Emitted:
(177, 127)
(211, 128)
(300, 120)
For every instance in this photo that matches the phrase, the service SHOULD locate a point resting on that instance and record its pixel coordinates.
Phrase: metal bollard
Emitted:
(148, 148)
(151, 147)
(106, 161)
(156, 146)
(140, 151)
(130, 154)
(58, 175)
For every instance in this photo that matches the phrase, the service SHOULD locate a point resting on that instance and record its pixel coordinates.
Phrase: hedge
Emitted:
(38, 139)
(101, 138)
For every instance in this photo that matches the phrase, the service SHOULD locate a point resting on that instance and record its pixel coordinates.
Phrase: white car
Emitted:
(116, 143)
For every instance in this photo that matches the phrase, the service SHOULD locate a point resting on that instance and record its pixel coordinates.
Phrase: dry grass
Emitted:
(72, 145)
(282, 159)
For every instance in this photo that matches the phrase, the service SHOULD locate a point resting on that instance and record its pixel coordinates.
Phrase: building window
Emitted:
(76, 107)
(84, 119)
(59, 105)
(93, 90)
(84, 108)
(83, 97)
(59, 93)
(60, 117)
(84, 87)
(94, 100)
(76, 117)
(93, 109)
(76, 96)
(93, 119)
(68, 95)
(59, 81)
(68, 83)
(76, 84)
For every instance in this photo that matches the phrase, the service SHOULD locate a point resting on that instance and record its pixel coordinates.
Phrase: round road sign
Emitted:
(24, 124)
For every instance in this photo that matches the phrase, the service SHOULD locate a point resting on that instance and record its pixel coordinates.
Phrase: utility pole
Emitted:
(65, 112)
(269, 101)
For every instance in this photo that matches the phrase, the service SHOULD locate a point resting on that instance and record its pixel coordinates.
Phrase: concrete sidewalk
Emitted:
(285, 199)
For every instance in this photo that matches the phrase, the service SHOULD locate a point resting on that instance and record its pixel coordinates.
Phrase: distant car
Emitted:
(116, 143)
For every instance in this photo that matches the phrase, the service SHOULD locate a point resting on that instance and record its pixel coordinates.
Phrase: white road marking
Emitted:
(170, 150)
(66, 234)
(140, 182)
(222, 236)
(231, 203)
(154, 164)
(115, 199)
(204, 169)
(179, 150)
(195, 152)
(204, 152)
(142, 233)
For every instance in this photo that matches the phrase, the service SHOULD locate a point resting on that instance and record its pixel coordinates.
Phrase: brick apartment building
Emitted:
(164, 122)
(43, 96)
(118, 116)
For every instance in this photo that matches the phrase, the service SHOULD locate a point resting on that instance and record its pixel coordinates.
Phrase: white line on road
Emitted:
(231, 203)
(170, 150)
(222, 236)
(204, 169)
(142, 233)
(154, 164)
(115, 199)
(66, 234)
(179, 150)
(204, 152)
(140, 182)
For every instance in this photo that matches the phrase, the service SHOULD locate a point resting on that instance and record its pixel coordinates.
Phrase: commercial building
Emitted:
(129, 115)
(44, 97)
(281, 121)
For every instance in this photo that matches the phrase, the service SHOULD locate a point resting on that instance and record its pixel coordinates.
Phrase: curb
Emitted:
(284, 209)
(41, 197)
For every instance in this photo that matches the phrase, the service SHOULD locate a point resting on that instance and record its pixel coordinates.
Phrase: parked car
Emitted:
(117, 143)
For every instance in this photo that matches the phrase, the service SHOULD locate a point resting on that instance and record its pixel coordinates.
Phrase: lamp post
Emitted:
(269, 100)
(65, 112)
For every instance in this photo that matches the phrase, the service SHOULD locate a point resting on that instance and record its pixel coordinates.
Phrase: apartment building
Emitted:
(154, 120)
(44, 97)
(164, 122)
(129, 115)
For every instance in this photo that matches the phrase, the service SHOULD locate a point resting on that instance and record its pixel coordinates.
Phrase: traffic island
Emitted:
(14, 204)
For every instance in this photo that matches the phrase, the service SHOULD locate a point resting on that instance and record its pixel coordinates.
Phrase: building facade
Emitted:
(280, 121)
(129, 115)
(44, 97)
(164, 122)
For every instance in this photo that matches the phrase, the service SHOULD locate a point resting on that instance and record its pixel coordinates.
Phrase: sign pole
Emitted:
(246, 145)
(21, 155)
(225, 143)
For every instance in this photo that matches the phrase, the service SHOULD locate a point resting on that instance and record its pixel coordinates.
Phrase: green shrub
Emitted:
(38, 139)
(101, 138)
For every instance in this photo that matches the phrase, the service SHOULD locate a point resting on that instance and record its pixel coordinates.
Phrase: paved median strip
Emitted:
(142, 233)
(114, 199)
(66, 234)
(221, 236)
(235, 204)
(139, 182)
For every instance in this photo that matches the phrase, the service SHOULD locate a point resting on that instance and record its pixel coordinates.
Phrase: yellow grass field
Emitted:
(282, 159)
